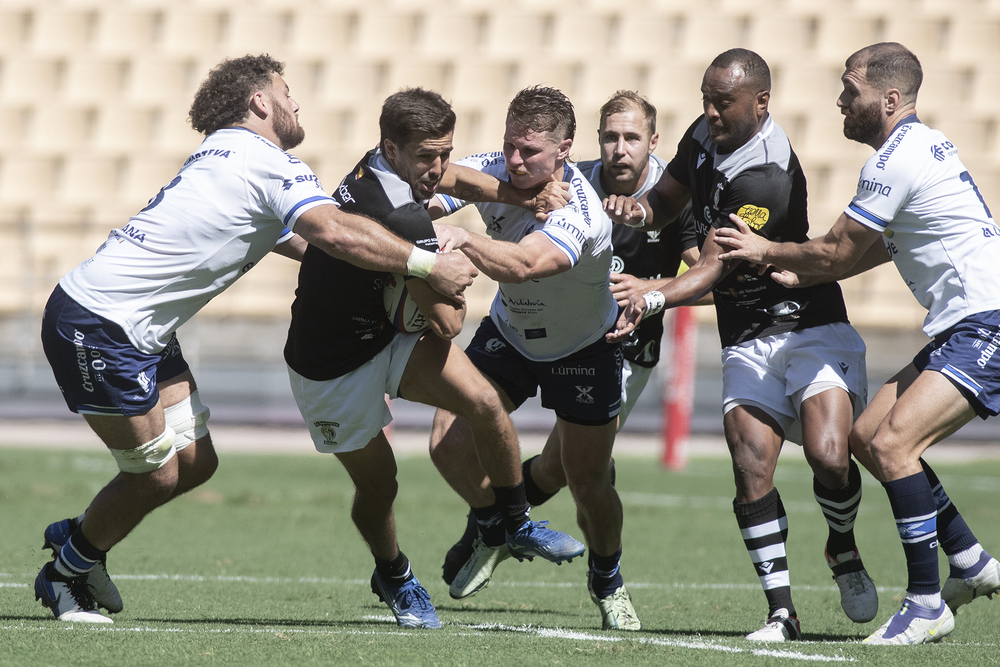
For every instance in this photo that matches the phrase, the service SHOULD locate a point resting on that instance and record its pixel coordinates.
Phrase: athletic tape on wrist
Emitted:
(420, 263)
(642, 220)
(654, 303)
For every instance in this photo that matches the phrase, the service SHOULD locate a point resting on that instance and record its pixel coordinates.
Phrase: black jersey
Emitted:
(646, 255)
(763, 183)
(338, 318)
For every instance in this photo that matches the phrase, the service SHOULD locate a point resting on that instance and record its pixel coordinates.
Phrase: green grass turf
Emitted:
(262, 566)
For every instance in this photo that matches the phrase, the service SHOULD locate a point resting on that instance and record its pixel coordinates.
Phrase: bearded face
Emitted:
(865, 123)
(287, 128)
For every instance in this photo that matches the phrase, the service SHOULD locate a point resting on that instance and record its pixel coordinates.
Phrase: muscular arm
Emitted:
(534, 256)
(686, 288)
(834, 254)
(444, 315)
(662, 205)
(293, 248)
(476, 186)
(369, 245)
(625, 286)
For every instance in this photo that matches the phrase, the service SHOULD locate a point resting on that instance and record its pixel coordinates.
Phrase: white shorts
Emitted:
(634, 379)
(776, 373)
(344, 414)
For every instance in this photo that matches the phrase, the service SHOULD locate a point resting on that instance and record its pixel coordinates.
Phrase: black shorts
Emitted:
(98, 369)
(583, 388)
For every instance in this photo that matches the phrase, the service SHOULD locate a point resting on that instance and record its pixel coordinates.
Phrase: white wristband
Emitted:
(654, 303)
(420, 263)
(642, 220)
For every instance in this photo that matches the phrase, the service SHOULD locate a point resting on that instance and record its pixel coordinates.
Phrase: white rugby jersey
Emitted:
(934, 222)
(228, 206)
(551, 318)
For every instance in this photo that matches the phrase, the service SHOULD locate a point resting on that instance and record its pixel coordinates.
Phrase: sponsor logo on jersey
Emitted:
(345, 194)
(534, 334)
(573, 370)
(584, 395)
(361, 174)
(942, 151)
(494, 224)
(133, 233)
(617, 264)
(329, 431)
(701, 159)
(654, 236)
(871, 185)
(494, 345)
(247, 267)
(581, 196)
(755, 216)
(212, 152)
(301, 178)
(884, 156)
(562, 223)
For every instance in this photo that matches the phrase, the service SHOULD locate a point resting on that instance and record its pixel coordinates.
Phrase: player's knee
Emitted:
(189, 420)
(829, 461)
(147, 457)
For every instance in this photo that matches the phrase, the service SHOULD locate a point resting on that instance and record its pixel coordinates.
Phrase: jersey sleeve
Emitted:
(882, 193)
(490, 163)
(566, 231)
(288, 186)
(760, 197)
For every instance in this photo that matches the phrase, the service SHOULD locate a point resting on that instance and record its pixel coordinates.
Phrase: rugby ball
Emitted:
(400, 307)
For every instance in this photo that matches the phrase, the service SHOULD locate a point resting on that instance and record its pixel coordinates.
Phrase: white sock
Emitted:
(963, 560)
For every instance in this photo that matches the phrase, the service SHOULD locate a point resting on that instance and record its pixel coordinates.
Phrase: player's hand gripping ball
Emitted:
(400, 307)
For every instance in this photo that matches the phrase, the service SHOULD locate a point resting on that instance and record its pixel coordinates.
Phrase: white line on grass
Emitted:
(332, 581)
(543, 633)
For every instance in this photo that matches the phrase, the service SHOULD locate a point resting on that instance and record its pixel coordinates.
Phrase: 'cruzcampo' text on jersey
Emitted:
(763, 183)
(646, 255)
(231, 202)
(338, 317)
(550, 318)
(935, 224)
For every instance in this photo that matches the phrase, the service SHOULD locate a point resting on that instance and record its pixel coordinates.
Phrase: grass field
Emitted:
(263, 567)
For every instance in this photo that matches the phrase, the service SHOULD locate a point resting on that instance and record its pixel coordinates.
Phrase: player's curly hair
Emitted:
(414, 111)
(628, 100)
(889, 65)
(543, 110)
(756, 73)
(223, 99)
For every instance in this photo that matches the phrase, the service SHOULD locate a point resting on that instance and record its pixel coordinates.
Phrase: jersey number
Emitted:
(177, 179)
(967, 177)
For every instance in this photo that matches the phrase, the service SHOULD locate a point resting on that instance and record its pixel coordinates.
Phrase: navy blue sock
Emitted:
(490, 525)
(953, 533)
(78, 556)
(532, 492)
(605, 573)
(397, 569)
(915, 509)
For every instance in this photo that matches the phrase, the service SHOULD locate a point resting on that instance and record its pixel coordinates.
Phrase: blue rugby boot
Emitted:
(534, 540)
(409, 601)
(68, 598)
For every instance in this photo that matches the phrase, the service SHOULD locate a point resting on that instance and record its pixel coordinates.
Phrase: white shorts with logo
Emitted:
(344, 414)
(776, 373)
(634, 379)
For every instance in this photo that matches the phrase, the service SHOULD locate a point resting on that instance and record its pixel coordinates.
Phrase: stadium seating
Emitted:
(94, 96)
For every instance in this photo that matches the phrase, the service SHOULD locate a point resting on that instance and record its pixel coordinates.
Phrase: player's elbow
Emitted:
(446, 327)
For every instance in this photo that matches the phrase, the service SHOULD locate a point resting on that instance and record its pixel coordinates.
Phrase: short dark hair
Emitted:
(888, 65)
(412, 111)
(756, 73)
(543, 109)
(627, 100)
(223, 99)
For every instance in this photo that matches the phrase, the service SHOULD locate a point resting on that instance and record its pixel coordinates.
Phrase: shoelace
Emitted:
(81, 593)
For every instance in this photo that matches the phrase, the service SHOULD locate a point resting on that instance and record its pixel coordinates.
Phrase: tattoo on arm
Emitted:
(471, 193)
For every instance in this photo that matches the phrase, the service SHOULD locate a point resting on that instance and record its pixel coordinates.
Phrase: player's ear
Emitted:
(390, 150)
(763, 97)
(564, 147)
(653, 140)
(893, 100)
(260, 104)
